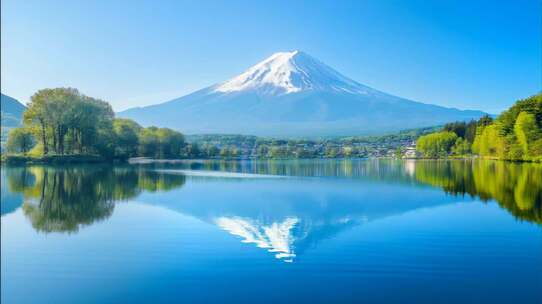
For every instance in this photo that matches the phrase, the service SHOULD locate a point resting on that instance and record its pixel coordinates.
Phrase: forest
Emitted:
(516, 135)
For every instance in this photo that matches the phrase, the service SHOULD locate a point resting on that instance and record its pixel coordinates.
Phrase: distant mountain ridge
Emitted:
(293, 94)
(12, 111)
(11, 116)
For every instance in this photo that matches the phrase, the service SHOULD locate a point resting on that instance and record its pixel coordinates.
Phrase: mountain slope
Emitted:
(12, 111)
(11, 116)
(293, 94)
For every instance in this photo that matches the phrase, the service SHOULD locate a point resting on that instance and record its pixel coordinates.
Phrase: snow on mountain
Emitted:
(292, 94)
(291, 72)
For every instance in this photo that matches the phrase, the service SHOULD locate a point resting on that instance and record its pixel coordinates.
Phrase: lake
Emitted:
(300, 231)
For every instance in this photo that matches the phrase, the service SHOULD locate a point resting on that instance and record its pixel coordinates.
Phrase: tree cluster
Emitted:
(63, 121)
(516, 134)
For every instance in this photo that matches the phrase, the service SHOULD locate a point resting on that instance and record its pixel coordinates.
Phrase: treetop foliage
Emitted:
(516, 134)
(62, 121)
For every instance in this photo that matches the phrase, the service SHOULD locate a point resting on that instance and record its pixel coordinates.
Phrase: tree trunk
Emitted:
(44, 138)
(55, 147)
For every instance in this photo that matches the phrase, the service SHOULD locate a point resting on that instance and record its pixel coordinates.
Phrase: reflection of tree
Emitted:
(515, 186)
(153, 181)
(352, 168)
(64, 199)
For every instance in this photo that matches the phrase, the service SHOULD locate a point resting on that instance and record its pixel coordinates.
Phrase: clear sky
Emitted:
(466, 54)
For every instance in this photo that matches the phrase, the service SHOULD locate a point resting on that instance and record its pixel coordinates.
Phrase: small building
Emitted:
(410, 152)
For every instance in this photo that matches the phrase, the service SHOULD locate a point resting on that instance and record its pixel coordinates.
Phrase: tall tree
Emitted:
(126, 137)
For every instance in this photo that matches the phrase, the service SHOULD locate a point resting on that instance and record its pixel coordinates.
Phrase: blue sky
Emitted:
(466, 54)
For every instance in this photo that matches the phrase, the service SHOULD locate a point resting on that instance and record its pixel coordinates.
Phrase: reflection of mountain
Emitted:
(277, 237)
(12, 200)
(288, 238)
(287, 217)
(66, 198)
(517, 187)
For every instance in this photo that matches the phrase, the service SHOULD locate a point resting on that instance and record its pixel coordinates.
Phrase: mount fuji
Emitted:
(293, 94)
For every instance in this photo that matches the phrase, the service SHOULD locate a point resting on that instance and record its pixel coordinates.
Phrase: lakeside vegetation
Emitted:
(63, 125)
(515, 135)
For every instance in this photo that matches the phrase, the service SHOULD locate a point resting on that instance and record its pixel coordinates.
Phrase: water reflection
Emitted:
(348, 193)
(277, 237)
(287, 217)
(288, 227)
(63, 199)
(291, 236)
(517, 187)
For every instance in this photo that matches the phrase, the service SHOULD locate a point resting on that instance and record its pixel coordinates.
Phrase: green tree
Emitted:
(436, 144)
(348, 151)
(490, 142)
(126, 137)
(212, 151)
(262, 151)
(170, 143)
(148, 142)
(277, 152)
(224, 152)
(35, 118)
(461, 147)
(192, 150)
(331, 151)
(20, 140)
(68, 122)
(515, 134)
(526, 131)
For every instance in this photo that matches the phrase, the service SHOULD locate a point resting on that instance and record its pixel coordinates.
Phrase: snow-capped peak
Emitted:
(290, 72)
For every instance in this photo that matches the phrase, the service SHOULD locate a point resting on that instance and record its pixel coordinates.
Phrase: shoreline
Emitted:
(57, 159)
(93, 159)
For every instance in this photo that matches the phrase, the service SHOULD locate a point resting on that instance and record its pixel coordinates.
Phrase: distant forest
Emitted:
(231, 146)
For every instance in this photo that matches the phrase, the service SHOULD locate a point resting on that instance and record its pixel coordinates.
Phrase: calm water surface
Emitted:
(319, 231)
